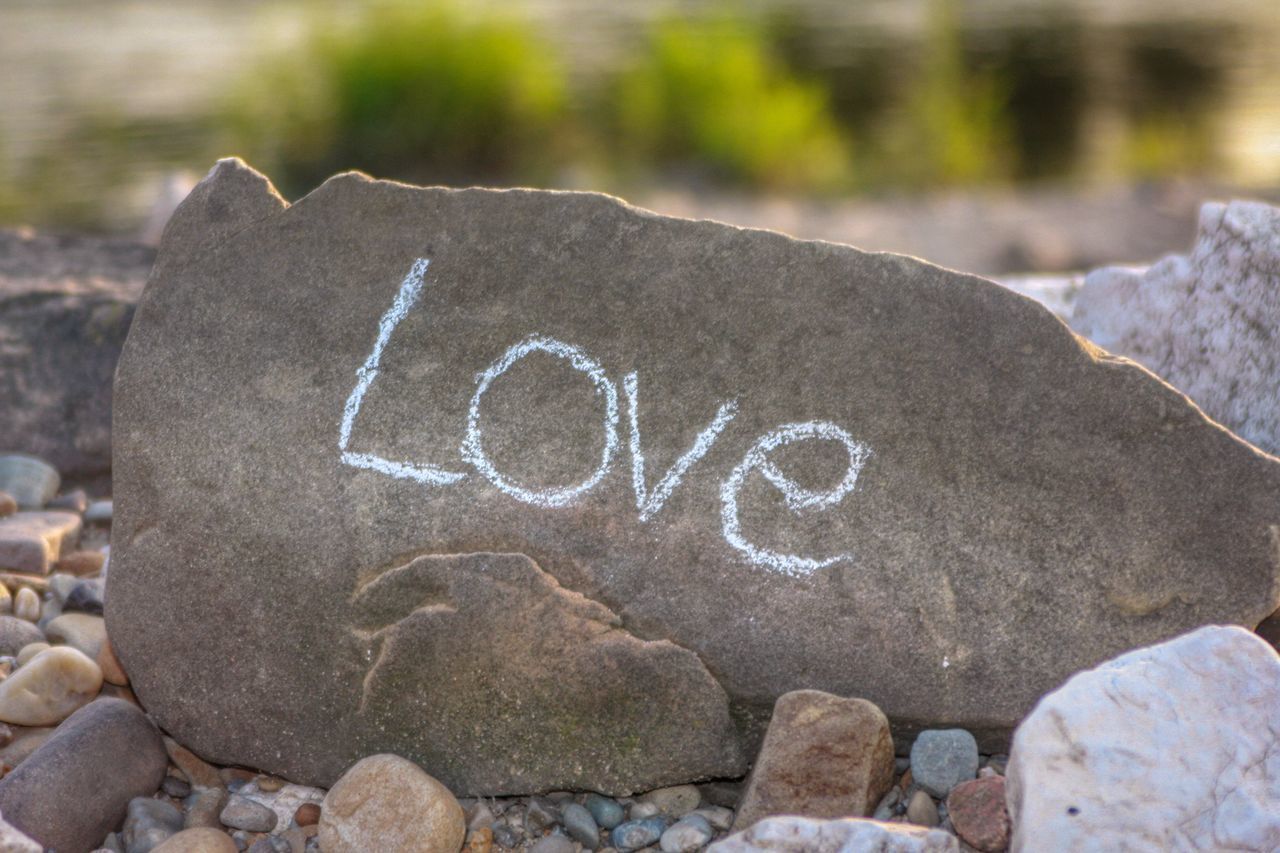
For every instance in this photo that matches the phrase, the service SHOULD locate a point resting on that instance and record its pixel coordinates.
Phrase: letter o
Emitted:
(473, 451)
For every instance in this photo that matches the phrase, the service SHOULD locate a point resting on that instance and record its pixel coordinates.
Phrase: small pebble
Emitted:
(942, 759)
(719, 817)
(73, 501)
(504, 835)
(148, 823)
(243, 813)
(8, 506)
(16, 634)
(198, 840)
(87, 596)
(675, 801)
(270, 844)
(641, 810)
(60, 585)
(635, 834)
(308, 814)
(269, 783)
(51, 686)
(479, 816)
(26, 605)
(553, 844)
(6, 600)
(479, 841)
(580, 825)
(606, 811)
(540, 816)
(690, 833)
(98, 512)
(177, 788)
(888, 804)
(922, 811)
(81, 563)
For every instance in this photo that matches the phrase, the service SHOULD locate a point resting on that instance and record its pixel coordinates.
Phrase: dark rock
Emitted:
(16, 633)
(76, 786)
(910, 446)
(175, 787)
(65, 308)
(823, 756)
(606, 810)
(86, 597)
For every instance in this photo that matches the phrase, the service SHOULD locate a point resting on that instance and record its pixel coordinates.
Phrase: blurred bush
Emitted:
(711, 96)
(421, 93)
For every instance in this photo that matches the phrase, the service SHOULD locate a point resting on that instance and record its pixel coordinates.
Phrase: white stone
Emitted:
(846, 835)
(49, 688)
(284, 801)
(14, 840)
(1172, 747)
(1206, 323)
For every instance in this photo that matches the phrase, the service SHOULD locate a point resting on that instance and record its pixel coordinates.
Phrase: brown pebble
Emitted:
(905, 782)
(81, 563)
(479, 840)
(6, 735)
(308, 814)
(269, 783)
(198, 772)
(112, 671)
(8, 506)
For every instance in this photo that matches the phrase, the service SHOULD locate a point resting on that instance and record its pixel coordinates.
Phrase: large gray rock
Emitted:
(1206, 322)
(65, 308)
(726, 454)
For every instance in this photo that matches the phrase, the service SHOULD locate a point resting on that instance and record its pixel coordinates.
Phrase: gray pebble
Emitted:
(606, 811)
(175, 787)
(718, 816)
(271, 844)
(641, 810)
(540, 815)
(580, 825)
(73, 501)
(243, 813)
(675, 801)
(148, 823)
(690, 833)
(504, 835)
(61, 584)
(98, 512)
(16, 633)
(888, 802)
(86, 596)
(635, 834)
(942, 759)
(30, 481)
(113, 843)
(553, 844)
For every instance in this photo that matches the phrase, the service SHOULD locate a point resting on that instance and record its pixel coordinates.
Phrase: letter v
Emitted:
(650, 504)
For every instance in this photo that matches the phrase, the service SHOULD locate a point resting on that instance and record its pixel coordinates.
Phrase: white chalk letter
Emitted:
(473, 451)
(410, 290)
(798, 498)
(649, 504)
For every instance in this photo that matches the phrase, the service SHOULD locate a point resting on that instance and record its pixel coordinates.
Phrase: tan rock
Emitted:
(385, 802)
(29, 651)
(202, 839)
(49, 688)
(81, 563)
(80, 631)
(26, 605)
(32, 541)
(112, 670)
(6, 599)
(823, 757)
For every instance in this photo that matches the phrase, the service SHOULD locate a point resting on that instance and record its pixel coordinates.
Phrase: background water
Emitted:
(100, 102)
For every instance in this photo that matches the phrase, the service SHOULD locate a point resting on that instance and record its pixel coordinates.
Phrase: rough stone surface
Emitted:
(65, 308)
(977, 811)
(31, 541)
(1173, 747)
(791, 834)
(386, 802)
(99, 759)
(823, 756)
(1030, 505)
(30, 481)
(1206, 321)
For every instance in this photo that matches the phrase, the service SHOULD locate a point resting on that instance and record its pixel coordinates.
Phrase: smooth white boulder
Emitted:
(1171, 747)
(49, 688)
(789, 834)
(1206, 322)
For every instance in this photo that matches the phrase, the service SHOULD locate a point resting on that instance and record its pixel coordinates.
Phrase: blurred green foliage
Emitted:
(424, 93)
(712, 96)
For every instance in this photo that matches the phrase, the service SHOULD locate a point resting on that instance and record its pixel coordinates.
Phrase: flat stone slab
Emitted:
(788, 464)
(31, 542)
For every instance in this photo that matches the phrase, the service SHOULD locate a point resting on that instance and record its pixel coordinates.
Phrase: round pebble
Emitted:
(81, 563)
(978, 813)
(634, 834)
(86, 597)
(16, 634)
(26, 605)
(8, 506)
(922, 811)
(201, 839)
(642, 810)
(690, 833)
(553, 844)
(942, 759)
(243, 813)
(385, 802)
(308, 814)
(580, 825)
(606, 811)
(175, 787)
(51, 686)
(675, 801)
(148, 823)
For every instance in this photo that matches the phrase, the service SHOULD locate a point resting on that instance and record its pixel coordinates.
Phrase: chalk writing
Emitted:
(798, 499)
